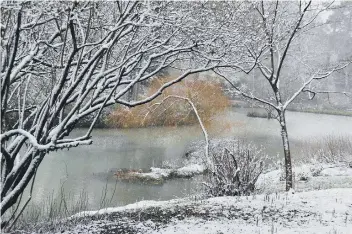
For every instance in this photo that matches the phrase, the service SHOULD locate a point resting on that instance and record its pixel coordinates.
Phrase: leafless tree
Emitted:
(279, 25)
(61, 62)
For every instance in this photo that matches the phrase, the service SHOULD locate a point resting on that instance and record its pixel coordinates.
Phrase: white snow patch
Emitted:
(323, 211)
(303, 172)
(161, 171)
(225, 226)
(271, 176)
(337, 171)
(333, 217)
(131, 207)
(186, 171)
(150, 175)
(190, 170)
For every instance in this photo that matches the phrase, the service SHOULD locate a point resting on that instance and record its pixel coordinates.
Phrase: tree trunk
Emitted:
(287, 152)
(20, 182)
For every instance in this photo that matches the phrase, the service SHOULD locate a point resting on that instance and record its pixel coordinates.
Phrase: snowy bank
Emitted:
(158, 175)
(336, 171)
(324, 211)
(307, 177)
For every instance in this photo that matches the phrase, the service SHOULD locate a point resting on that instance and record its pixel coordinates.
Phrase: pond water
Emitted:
(88, 169)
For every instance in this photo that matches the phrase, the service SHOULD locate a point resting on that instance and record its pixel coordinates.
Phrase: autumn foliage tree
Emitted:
(207, 96)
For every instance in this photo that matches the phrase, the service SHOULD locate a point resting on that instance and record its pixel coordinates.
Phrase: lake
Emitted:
(88, 169)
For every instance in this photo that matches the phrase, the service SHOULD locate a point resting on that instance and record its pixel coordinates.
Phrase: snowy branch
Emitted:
(316, 76)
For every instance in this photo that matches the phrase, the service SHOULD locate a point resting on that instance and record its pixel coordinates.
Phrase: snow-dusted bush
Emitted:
(238, 165)
(303, 172)
(316, 170)
(330, 149)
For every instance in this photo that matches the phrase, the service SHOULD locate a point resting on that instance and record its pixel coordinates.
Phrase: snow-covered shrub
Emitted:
(303, 172)
(330, 149)
(237, 167)
(316, 170)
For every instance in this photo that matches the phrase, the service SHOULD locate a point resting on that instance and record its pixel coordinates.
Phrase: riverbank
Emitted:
(323, 111)
(261, 113)
(272, 211)
(244, 104)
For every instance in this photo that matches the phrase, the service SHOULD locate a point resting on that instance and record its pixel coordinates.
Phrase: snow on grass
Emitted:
(324, 211)
(274, 211)
(289, 213)
(337, 171)
(131, 207)
(199, 226)
(307, 177)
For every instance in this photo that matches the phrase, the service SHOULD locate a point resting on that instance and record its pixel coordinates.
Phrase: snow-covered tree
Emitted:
(277, 26)
(64, 61)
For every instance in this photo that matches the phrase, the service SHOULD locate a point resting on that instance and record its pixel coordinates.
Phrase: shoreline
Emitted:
(323, 112)
(251, 214)
(267, 213)
(310, 111)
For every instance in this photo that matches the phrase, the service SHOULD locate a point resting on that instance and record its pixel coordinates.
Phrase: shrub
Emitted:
(316, 170)
(207, 96)
(329, 149)
(236, 169)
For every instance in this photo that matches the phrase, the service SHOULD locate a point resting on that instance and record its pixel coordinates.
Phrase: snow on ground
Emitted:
(324, 211)
(197, 226)
(307, 177)
(336, 171)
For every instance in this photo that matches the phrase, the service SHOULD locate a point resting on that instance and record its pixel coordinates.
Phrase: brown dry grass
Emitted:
(207, 96)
